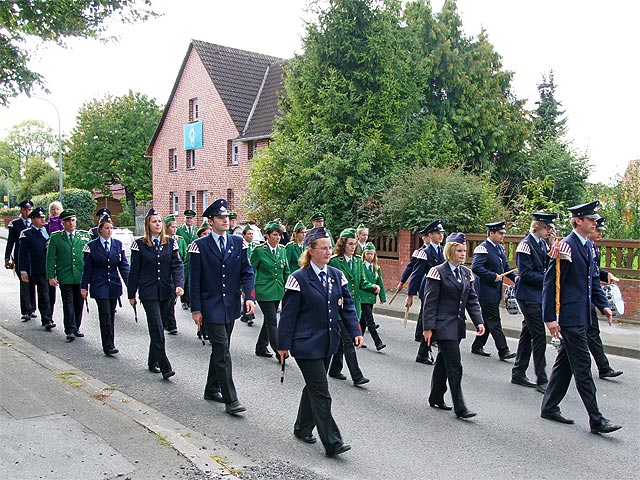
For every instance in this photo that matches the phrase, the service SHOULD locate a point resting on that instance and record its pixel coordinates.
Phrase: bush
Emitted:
(81, 201)
(126, 219)
(10, 212)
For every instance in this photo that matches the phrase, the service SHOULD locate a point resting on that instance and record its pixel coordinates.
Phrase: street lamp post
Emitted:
(8, 191)
(59, 146)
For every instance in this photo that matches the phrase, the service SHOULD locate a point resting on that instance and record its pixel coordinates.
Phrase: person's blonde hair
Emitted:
(147, 232)
(305, 257)
(537, 225)
(450, 249)
(55, 203)
(375, 260)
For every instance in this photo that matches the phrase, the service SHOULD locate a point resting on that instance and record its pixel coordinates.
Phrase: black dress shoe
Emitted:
(361, 381)
(466, 414)
(173, 331)
(338, 376)
(480, 351)
(380, 346)
(523, 381)
(541, 387)
(440, 405)
(185, 306)
(154, 369)
(310, 439)
(264, 354)
(25, 318)
(216, 397)
(611, 373)
(49, 326)
(168, 375)
(425, 360)
(70, 337)
(111, 351)
(78, 334)
(507, 355)
(234, 408)
(345, 447)
(556, 417)
(363, 346)
(605, 426)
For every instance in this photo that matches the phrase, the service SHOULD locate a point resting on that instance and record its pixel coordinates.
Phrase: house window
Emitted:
(173, 159)
(175, 204)
(235, 158)
(205, 200)
(194, 110)
(192, 201)
(230, 198)
(251, 149)
(191, 159)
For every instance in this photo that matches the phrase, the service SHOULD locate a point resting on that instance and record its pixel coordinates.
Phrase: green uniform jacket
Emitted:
(270, 273)
(250, 247)
(183, 251)
(183, 231)
(371, 277)
(357, 282)
(293, 254)
(65, 259)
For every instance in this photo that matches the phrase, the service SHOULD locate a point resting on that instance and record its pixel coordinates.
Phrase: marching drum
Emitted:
(510, 301)
(614, 297)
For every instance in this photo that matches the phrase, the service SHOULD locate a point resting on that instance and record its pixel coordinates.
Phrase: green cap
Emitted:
(370, 246)
(298, 226)
(317, 216)
(66, 214)
(189, 213)
(205, 225)
(361, 226)
(348, 233)
(233, 215)
(168, 219)
(246, 227)
(272, 225)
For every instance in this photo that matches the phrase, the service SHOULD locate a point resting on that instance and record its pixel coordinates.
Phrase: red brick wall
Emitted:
(212, 173)
(630, 290)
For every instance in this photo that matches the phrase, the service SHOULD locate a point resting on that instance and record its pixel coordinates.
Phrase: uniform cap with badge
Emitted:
(168, 219)
(370, 246)
(318, 216)
(272, 226)
(457, 237)
(37, 212)
(298, 226)
(497, 226)
(101, 211)
(314, 234)
(585, 210)
(219, 208)
(189, 213)
(26, 204)
(105, 219)
(348, 233)
(547, 218)
(151, 212)
(600, 223)
(67, 214)
(435, 226)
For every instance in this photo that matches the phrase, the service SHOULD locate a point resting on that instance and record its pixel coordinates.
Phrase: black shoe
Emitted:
(541, 387)
(111, 351)
(78, 334)
(338, 376)
(234, 408)
(154, 369)
(173, 331)
(523, 381)
(425, 360)
(376, 326)
(216, 397)
(611, 373)
(466, 414)
(199, 334)
(507, 355)
(185, 306)
(556, 417)
(380, 346)
(49, 326)
(361, 381)
(33, 315)
(168, 375)
(70, 337)
(249, 322)
(265, 354)
(345, 447)
(605, 426)
(441, 405)
(480, 351)
(310, 439)
(363, 346)
(25, 318)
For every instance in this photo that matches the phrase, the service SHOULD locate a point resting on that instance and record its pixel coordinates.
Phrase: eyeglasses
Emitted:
(325, 249)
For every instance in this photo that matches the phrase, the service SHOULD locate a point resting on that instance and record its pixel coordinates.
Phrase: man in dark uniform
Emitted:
(579, 288)
(489, 265)
(317, 220)
(427, 258)
(32, 254)
(593, 331)
(220, 269)
(27, 289)
(189, 232)
(532, 261)
(99, 214)
(406, 273)
(234, 228)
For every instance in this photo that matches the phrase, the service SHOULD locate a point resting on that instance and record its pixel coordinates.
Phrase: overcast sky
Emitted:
(592, 46)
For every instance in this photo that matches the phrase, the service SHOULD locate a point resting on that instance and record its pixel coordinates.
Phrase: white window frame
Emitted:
(174, 160)
(192, 201)
(235, 154)
(191, 157)
(205, 200)
(175, 203)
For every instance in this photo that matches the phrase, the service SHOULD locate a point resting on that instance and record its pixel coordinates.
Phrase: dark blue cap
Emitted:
(37, 212)
(435, 226)
(497, 227)
(600, 223)
(314, 234)
(586, 210)
(152, 211)
(26, 204)
(105, 219)
(104, 210)
(457, 237)
(219, 208)
(547, 218)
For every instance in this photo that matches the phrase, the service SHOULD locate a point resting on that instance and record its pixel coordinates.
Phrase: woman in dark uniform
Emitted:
(104, 257)
(157, 272)
(309, 328)
(448, 292)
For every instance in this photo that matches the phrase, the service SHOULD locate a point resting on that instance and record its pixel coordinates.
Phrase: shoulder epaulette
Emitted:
(565, 251)
(480, 249)
(193, 248)
(291, 242)
(434, 273)
(86, 248)
(264, 245)
(334, 255)
(523, 247)
(421, 254)
(23, 232)
(471, 275)
(343, 279)
(292, 284)
(175, 244)
(134, 246)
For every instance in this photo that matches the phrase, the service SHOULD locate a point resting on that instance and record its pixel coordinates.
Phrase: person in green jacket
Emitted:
(65, 262)
(189, 232)
(294, 248)
(344, 259)
(373, 275)
(271, 270)
(170, 230)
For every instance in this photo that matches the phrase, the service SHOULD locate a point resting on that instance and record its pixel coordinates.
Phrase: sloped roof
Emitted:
(265, 111)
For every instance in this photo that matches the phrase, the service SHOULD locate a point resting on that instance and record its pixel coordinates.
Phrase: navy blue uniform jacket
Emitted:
(579, 286)
(310, 314)
(426, 259)
(32, 252)
(406, 273)
(155, 274)
(101, 269)
(532, 263)
(489, 260)
(445, 301)
(215, 280)
(16, 226)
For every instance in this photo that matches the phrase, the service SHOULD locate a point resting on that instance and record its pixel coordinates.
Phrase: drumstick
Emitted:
(282, 374)
(507, 273)
(395, 295)
(406, 317)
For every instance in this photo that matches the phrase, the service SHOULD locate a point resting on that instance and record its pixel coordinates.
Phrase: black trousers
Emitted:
(185, 298)
(52, 298)
(533, 340)
(72, 303)
(156, 311)
(169, 321)
(573, 360)
(220, 377)
(595, 343)
(27, 296)
(493, 326)
(269, 331)
(41, 284)
(315, 404)
(107, 316)
(423, 350)
(448, 367)
(367, 322)
(346, 349)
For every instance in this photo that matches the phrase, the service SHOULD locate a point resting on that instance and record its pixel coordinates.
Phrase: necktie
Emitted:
(456, 271)
(106, 246)
(27, 223)
(71, 237)
(349, 263)
(440, 252)
(44, 233)
(371, 267)
(323, 280)
(156, 242)
(543, 246)
(221, 242)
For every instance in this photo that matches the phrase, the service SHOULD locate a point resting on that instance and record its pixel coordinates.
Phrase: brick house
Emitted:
(220, 112)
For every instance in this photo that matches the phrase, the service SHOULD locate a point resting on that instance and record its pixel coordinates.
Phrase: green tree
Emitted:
(56, 21)
(108, 144)
(79, 200)
(35, 170)
(549, 122)
(27, 140)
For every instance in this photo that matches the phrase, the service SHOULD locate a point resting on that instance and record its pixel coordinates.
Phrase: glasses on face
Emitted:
(324, 249)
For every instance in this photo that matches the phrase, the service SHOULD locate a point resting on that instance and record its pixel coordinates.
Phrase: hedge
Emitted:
(81, 201)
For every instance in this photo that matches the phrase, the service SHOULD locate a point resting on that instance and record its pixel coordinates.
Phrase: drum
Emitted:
(614, 297)
(510, 301)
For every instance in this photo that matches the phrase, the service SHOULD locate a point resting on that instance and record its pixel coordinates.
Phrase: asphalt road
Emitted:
(393, 431)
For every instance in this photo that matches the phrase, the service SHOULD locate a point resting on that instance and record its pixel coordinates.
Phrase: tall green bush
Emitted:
(81, 201)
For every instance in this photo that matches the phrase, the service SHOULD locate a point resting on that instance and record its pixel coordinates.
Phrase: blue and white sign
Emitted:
(193, 135)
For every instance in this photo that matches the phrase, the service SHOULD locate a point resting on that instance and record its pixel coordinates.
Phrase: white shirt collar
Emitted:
(317, 269)
(582, 239)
